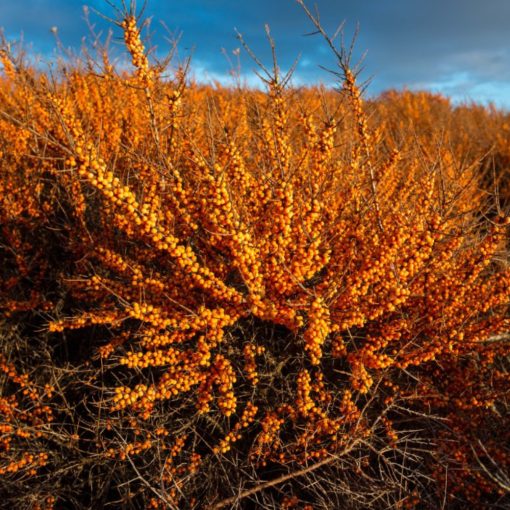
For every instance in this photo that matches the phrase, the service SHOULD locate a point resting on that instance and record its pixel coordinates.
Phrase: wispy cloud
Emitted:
(459, 47)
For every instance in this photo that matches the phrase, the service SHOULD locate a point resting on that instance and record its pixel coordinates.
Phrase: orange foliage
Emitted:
(268, 277)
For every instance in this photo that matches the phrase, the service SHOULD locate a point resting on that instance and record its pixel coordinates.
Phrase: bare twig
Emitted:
(281, 479)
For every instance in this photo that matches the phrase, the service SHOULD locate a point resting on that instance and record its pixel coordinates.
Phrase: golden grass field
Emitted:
(220, 297)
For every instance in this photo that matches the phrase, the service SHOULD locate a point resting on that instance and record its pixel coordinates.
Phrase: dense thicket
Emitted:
(227, 298)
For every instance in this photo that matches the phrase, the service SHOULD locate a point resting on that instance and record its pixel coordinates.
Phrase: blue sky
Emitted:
(458, 47)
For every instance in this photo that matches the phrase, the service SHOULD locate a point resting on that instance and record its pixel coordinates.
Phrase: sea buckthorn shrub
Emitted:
(229, 298)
